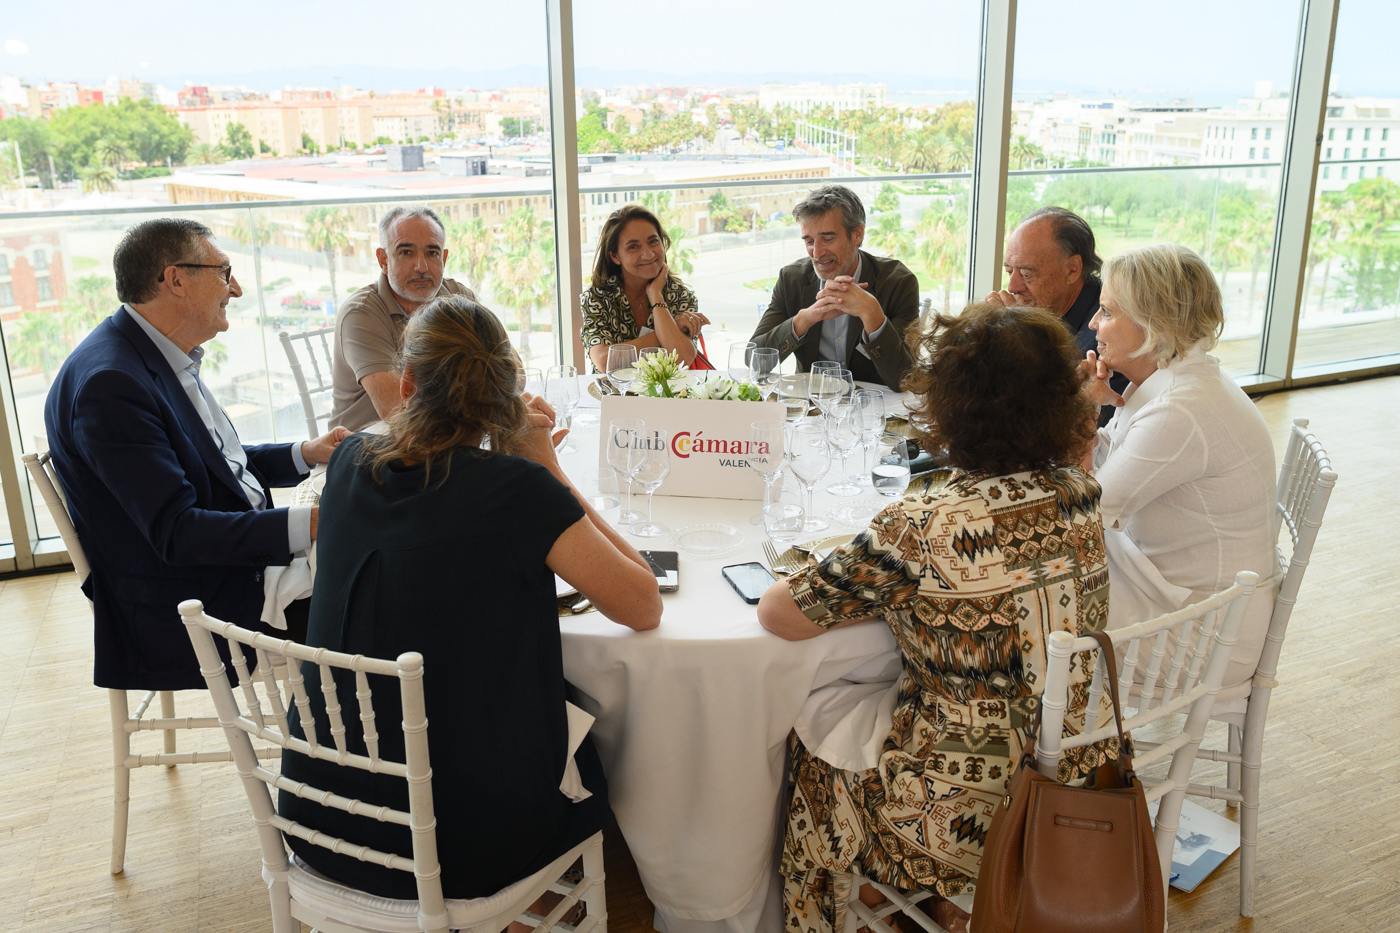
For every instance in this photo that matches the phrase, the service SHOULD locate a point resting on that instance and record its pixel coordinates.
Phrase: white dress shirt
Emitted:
(1187, 470)
(832, 345)
(186, 367)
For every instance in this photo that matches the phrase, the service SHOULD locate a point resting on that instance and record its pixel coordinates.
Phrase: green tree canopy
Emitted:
(238, 141)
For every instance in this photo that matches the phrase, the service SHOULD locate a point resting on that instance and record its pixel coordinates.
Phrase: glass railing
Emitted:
(1351, 304)
(297, 261)
(1225, 213)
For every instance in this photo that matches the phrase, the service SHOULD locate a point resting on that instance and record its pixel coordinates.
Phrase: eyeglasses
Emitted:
(225, 271)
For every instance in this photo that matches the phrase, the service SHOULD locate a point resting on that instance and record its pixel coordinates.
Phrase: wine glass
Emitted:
(842, 423)
(529, 380)
(792, 392)
(622, 361)
(648, 352)
(872, 425)
(649, 463)
(621, 436)
(739, 354)
(827, 384)
(561, 392)
(890, 474)
(763, 368)
(765, 457)
(809, 458)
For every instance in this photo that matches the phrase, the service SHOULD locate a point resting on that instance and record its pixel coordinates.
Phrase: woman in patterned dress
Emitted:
(971, 578)
(633, 297)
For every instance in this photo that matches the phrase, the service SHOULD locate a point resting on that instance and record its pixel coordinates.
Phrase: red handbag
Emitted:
(701, 361)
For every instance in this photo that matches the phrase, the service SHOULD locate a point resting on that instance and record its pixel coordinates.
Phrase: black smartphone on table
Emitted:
(749, 580)
(666, 566)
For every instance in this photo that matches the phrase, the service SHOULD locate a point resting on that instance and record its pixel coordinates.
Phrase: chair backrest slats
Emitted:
(332, 697)
(258, 781)
(45, 479)
(316, 392)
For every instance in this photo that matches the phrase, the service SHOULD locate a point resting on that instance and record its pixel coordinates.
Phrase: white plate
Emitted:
(708, 540)
(562, 588)
(827, 544)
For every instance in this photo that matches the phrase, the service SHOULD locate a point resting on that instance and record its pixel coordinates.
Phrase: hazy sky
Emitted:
(1206, 47)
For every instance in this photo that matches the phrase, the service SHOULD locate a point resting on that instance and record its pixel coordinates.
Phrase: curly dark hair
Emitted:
(998, 389)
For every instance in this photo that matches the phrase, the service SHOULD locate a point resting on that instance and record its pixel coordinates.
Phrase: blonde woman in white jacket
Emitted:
(1186, 463)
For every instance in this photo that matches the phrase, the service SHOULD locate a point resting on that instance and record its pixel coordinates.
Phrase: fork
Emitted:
(774, 562)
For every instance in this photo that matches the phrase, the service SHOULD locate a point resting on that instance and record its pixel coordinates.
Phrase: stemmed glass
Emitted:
(621, 437)
(828, 383)
(649, 463)
(766, 435)
(872, 425)
(842, 424)
(809, 459)
(530, 380)
(891, 471)
(561, 392)
(739, 355)
(622, 360)
(763, 368)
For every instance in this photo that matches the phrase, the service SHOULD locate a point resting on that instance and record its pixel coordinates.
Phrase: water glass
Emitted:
(828, 384)
(809, 458)
(890, 474)
(620, 438)
(763, 368)
(739, 355)
(783, 521)
(561, 392)
(530, 380)
(792, 392)
(607, 507)
(649, 463)
(622, 362)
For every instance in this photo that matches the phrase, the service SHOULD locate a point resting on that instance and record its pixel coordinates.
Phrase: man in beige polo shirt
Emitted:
(369, 326)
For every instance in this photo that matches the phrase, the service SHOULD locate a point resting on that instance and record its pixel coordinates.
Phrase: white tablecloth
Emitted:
(693, 719)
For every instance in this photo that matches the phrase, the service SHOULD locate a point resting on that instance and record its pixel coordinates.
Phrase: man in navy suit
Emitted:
(168, 504)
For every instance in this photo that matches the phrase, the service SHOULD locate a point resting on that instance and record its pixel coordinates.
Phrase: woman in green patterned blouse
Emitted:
(634, 298)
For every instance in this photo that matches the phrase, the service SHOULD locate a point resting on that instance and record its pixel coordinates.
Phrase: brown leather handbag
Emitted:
(1072, 859)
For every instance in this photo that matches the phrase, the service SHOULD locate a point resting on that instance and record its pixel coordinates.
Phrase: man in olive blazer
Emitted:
(841, 303)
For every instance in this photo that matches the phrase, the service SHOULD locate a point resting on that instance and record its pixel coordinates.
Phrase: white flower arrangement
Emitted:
(663, 375)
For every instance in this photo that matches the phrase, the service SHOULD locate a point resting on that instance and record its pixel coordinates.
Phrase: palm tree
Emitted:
(98, 178)
(205, 154)
(889, 235)
(1331, 214)
(959, 152)
(920, 152)
(1023, 151)
(39, 341)
(112, 151)
(469, 247)
(944, 248)
(327, 230)
(524, 271)
(90, 298)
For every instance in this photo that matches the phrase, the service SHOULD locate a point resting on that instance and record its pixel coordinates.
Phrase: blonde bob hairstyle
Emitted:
(1168, 291)
(466, 379)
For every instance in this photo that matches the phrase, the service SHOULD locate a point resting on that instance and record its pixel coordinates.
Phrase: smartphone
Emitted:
(749, 580)
(666, 566)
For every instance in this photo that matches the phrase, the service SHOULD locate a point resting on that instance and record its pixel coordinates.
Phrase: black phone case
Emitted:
(751, 600)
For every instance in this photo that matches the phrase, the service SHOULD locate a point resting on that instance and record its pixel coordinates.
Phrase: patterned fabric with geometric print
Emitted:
(971, 579)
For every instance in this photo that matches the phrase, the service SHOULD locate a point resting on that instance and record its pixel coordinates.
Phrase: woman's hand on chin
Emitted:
(1096, 387)
(657, 285)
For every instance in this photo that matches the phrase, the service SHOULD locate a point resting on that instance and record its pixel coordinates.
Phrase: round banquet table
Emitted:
(693, 717)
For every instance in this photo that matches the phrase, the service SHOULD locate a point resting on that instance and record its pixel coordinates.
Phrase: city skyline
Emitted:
(706, 50)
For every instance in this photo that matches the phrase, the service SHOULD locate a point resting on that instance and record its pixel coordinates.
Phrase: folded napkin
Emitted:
(579, 724)
(282, 585)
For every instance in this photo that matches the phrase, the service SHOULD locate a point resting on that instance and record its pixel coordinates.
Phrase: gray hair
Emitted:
(1168, 291)
(1072, 234)
(821, 200)
(386, 223)
(147, 249)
